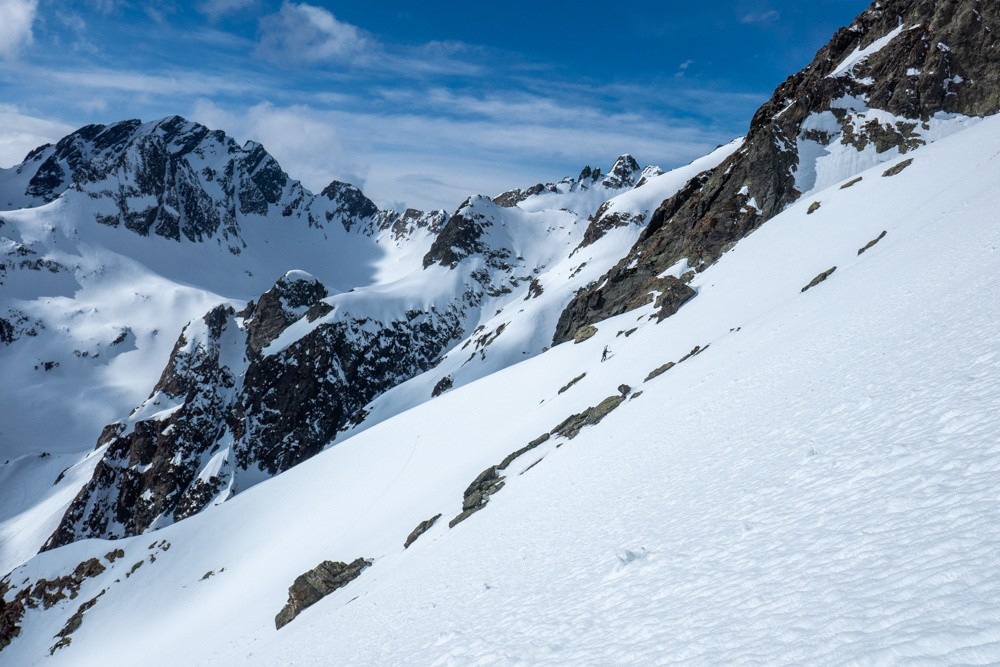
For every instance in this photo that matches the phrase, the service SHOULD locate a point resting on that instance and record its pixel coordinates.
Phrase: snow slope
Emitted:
(818, 485)
(103, 331)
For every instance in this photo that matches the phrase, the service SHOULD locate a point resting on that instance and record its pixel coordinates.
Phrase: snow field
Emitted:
(819, 485)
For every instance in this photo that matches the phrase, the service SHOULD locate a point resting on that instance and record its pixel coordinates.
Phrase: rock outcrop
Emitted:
(15, 601)
(876, 87)
(421, 528)
(235, 405)
(314, 585)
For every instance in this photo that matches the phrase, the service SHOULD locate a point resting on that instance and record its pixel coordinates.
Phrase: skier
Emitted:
(604, 355)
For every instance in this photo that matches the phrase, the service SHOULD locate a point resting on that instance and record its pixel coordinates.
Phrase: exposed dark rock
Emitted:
(317, 386)
(421, 528)
(179, 180)
(707, 215)
(895, 169)
(872, 242)
(314, 585)
(820, 278)
(572, 382)
(659, 370)
(623, 173)
(527, 448)
(674, 294)
(573, 424)
(152, 469)
(478, 494)
(535, 289)
(443, 385)
(852, 182)
(114, 555)
(624, 390)
(74, 622)
(696, 350)
(291, 297)
(624, 291)
(6, 332)
(813, 207)
(350, 204)
(459, 239)
(515, 197)
(43, 592)
(405, 224)
(604, 221)
(585, 332)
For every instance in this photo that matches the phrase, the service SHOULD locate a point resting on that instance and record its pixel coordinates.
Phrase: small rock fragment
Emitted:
(820, 278)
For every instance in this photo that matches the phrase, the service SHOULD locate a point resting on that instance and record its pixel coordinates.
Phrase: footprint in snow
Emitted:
(627, 559)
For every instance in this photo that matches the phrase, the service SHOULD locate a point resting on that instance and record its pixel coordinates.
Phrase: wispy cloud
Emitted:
(761, 17)
(168, 83)
(431, 159)
(105, 6)
(16, 20)
(304, 33)
(427, 123)
(216, 9)
(21, 133)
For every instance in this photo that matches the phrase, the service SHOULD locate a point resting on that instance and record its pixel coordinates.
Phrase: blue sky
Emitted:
(416, 103)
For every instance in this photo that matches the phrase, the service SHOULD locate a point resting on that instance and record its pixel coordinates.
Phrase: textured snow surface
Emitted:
(819, 485)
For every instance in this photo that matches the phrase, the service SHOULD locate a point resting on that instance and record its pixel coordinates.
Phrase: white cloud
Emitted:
(769, 16)
(16, 19)
(431, 160)
(306, 145)
(20, 134)
(179, 83)
(106, 6)
(216, 9)
(304, 33)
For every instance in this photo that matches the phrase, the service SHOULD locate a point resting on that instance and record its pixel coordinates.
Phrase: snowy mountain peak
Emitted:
(177, 179)
(624, 173)
(349, 203)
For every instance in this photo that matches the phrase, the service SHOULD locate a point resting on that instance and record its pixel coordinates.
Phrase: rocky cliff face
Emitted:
(230, 410)
(891, 81)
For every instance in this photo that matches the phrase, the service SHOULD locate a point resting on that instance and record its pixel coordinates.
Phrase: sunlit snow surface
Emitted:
(819, 485)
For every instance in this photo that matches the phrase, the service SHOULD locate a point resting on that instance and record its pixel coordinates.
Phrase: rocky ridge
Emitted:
(229, 410)
(892, 80)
